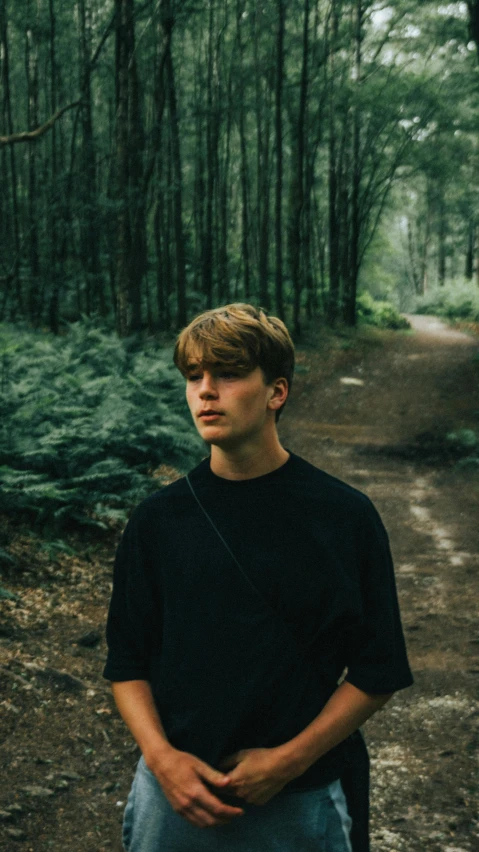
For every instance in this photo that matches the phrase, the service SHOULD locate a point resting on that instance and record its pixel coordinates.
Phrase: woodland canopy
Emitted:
(163, 156)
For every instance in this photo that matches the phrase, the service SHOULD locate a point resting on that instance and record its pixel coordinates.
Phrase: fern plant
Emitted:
(85, 418)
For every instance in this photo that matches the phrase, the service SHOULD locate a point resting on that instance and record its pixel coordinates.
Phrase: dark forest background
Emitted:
(161, 157)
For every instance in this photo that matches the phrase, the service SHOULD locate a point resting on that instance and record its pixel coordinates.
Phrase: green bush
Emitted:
(458, 300)
(464, 439)
(84, 419)
(378, 313)
(465, 443)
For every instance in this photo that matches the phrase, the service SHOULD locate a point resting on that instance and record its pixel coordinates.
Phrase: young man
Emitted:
(254, 623)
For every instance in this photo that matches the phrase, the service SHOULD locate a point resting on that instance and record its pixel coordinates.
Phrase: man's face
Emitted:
(229, 408)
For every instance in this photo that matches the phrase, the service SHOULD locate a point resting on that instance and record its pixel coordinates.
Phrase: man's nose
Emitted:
(208, 387)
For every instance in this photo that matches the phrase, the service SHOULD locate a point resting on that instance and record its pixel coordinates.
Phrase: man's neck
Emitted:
(247, 463)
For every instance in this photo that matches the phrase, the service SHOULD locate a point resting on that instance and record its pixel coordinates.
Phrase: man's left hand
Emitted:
(257, 774)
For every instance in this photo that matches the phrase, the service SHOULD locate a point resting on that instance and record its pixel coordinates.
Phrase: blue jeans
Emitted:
(303, 821)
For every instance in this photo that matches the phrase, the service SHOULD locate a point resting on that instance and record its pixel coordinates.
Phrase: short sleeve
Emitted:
(378, 662)
(134, 616)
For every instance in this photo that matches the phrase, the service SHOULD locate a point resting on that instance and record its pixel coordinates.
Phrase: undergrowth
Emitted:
(457, 300)
(379, 313)
(84, 421)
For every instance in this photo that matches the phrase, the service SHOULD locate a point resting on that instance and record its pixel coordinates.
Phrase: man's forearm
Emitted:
(185, 779)
(258, 774)
(135, 702)
(347, 709)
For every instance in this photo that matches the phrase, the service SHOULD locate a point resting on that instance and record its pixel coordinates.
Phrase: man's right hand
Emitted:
(184, 779)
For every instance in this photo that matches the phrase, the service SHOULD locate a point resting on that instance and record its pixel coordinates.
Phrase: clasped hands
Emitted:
(255, 775)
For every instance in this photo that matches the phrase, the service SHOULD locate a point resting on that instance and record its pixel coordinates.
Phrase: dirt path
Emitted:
(386, 437)
(375, 415)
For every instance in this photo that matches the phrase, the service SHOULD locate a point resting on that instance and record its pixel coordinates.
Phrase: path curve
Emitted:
(437, 329)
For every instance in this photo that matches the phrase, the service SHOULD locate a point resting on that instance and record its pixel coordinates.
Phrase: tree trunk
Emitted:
(351, 294)
(297, 183)
(137, 193)
(308, 235)
(54, 306)
(413, 261)
(264, 223)
(161, 240)
(211, 151)
(278, 222)
(344, 209)
(442, 233)
(426, 244)
(223, 189)
(31, 65)
(471, 232)
(89, 224)
(163, 234)
(244, 165)
(9, 205)
(123, 232)
(262, 162)
(199, 191)
(333, 219)
(131, 249)
(181, 317)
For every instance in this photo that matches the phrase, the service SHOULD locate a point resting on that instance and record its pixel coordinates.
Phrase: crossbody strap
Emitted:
(226, 545)
(301, 649)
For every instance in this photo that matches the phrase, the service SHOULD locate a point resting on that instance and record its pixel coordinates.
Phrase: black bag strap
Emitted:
(214, 526)
(296, 643)
(226, 545)
(300, 647)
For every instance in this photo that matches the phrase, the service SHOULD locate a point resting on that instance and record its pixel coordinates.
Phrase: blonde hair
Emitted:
(240, 336)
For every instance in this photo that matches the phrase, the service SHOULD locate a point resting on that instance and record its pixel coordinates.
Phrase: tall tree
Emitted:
(278, 229)
(333, 217)
(55, 211)
(131, 237)
(297, 177)
(353, 248)
(181, 316)
(244, 175)
(89, 220)
(31, 66)
(9, 206)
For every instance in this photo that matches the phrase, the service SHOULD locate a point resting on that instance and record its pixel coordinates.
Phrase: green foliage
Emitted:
(379, 314)
(8, 596)
(464, 438)
(458, 300)
(6, 559)
(85, 418)
(466, 444)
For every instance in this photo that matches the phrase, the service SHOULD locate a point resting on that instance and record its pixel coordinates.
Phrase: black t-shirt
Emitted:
(239, 661)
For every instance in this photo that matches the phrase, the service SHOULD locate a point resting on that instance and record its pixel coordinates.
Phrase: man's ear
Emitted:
(279, 394)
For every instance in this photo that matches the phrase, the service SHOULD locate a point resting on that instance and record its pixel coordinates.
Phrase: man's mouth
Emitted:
(209, 414)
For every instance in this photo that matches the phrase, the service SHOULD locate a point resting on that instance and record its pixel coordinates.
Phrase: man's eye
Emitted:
(194, 377)
(229, 374)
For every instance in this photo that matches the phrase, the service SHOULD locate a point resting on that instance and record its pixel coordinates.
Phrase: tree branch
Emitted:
(33, 135)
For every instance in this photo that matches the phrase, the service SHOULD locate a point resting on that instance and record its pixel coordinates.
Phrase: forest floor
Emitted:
(374, 410)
